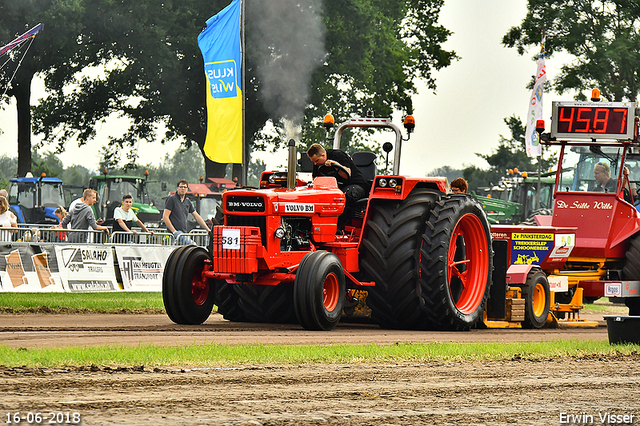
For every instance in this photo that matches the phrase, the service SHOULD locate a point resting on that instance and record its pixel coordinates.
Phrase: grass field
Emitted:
(104, 303)
(152, 355)
(218, 355)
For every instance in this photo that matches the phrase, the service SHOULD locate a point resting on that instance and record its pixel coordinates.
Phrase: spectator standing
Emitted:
(7, 219)
(124, 217)
(60, 213)
(177, 209)
(81, 217)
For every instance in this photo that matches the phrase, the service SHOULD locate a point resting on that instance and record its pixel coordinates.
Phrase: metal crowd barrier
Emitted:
(26, 233)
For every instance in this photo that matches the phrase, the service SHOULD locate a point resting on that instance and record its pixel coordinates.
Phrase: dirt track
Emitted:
(463, 393)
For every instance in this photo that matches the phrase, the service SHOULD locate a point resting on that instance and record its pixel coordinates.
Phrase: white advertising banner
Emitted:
(28, 268)
(87, 268)
(141, 267)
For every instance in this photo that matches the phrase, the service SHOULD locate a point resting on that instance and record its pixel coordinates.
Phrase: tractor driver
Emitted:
(604, 182)
(337, 163)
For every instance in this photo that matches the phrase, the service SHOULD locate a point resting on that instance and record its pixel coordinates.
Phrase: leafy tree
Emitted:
(60, 49)
(361, 56)
(510, 154)
(49, 164)
(446, 171)
(604, 37)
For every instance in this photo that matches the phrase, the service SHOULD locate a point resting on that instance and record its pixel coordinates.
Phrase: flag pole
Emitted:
(540, 155)
(245, 161)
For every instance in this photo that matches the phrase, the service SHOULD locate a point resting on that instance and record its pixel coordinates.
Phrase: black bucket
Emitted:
(623, 329)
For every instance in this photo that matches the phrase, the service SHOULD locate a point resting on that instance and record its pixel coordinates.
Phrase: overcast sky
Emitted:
(465, 116)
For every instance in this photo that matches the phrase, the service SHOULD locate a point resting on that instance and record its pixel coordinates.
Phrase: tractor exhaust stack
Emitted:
(293, 160)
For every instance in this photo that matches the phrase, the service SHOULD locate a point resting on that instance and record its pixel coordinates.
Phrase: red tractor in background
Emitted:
(423, 256)
(590, 246)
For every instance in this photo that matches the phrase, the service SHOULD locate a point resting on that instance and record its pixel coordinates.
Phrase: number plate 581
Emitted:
(231, 239)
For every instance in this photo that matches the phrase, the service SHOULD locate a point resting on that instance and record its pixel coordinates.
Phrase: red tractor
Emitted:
(590, 246)
(423, 256)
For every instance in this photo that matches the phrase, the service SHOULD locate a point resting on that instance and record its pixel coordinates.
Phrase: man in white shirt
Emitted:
(124, 217)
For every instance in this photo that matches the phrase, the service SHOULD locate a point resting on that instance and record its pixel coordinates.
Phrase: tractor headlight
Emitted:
(382, 182)
(393, 183)
(279, 233)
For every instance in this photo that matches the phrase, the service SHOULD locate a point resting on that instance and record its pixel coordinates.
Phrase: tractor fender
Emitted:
(517, 274)
(18, 212)
(630, 229)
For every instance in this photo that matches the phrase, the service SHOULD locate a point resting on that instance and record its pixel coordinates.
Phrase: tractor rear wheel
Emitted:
(537, 298)
(190, 294)
(455, 283)
(267, 303)
(631, 271)
(389, 256)
(319, 291)
(228, 302)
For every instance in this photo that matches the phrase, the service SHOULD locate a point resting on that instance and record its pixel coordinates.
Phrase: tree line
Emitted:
(139, 60)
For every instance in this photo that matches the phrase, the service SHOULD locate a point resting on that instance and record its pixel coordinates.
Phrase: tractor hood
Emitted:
(322, 197)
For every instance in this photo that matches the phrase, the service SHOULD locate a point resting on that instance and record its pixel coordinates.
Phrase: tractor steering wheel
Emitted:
(336, 168)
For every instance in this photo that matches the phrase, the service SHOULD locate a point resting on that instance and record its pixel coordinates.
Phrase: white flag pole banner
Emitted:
(87, 268)
(141, 267)
(29, 268)
(532, 139)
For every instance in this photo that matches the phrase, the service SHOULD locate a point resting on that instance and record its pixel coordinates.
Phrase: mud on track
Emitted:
(507, 392)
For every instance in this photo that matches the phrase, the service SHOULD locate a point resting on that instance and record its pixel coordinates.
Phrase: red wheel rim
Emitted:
(470, 272)
(330, 292)
(199, 286)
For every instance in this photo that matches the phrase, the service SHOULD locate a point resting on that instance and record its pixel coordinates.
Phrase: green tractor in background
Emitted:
(513, 199)
(111, 188)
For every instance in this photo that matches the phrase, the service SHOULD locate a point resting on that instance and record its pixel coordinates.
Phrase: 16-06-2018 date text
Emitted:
(49, 418)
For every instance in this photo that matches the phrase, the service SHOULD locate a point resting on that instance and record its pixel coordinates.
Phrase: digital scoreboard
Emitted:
(593, 120)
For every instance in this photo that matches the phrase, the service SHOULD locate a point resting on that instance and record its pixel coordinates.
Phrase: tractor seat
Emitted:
(365, 161)
(305, 164)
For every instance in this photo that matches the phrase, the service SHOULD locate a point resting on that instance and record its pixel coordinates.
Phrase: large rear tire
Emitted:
(319, 291)
(228, 302)
(537, 298)
(455, 283)
(389, 256)
(267, 303)
(190, 294)
(631, 271)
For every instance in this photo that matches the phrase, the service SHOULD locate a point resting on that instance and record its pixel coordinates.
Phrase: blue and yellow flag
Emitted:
(221, 51)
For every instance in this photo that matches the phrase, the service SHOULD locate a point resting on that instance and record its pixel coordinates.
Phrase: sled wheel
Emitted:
(318, 291)
(168, 298)
(389, 256)
(537, 297)
(193, 294)
(455, 282)
(267, 303)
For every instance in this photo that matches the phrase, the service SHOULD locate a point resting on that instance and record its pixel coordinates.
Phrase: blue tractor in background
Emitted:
(35, 199)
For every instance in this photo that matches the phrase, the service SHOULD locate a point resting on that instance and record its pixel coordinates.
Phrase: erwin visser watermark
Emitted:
(604, 418)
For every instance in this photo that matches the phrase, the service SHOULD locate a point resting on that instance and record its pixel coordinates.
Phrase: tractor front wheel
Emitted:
(537, 298)
(319, 290)
(186, 291)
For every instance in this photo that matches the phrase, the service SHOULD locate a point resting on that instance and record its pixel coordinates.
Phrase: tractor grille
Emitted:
(259, 221)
